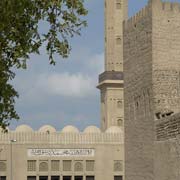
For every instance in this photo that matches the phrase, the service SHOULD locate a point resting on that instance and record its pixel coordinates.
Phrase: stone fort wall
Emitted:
(138, 96)
(152, 78)
(166, 55)
(168, 128)
(166, 89)
(167, 148)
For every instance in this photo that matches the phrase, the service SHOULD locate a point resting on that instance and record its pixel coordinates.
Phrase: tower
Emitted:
(152, 90)
(111, 80)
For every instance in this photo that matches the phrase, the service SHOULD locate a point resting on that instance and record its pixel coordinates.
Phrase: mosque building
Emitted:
(139, 138)
(94, 154)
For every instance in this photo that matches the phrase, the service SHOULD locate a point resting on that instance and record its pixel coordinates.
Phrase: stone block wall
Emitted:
(152, 86)
(166, 57)
(138, 121)
(167, 159)
(168, 127)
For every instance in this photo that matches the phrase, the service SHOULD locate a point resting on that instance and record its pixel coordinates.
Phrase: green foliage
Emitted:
(20, 36)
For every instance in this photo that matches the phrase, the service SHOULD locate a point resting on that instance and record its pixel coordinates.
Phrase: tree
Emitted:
(20, 36)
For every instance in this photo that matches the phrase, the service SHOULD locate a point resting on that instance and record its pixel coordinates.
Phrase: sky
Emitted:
(66, 94)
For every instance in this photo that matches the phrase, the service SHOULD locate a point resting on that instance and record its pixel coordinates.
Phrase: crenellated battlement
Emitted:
(132, 21)
(153, 6)
(165, 6)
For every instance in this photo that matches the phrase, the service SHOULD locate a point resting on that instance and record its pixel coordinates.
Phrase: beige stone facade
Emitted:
(140, 109)
(111, 81)
(66, 155)
(152, 92)
(93, 154)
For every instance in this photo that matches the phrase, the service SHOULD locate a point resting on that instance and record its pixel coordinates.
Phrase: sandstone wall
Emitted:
(166, 89)
(167, 148)
(168, 128)
(167, 159)
(152, 91)
(166, 57)
(138, 121)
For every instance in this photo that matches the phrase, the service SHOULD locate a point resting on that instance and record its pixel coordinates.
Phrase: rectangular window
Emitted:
(118, 165)
(66, 177)
(54, 165)
(31, 165)
(118, 40)
(78, 178)
(67, 165)
(2, 166)
(55, 178)
(90, 165)
(2, 177)
(31, 178)
(118, 178)
(43, 177)
(90, 178)
(118, 4)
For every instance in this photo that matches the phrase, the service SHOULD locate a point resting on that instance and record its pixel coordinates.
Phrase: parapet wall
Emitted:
(158, 6)
(168, 127)
(61, 138)
(165, 6)
(132, 21)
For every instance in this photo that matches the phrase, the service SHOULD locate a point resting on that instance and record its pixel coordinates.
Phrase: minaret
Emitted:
(111, 81)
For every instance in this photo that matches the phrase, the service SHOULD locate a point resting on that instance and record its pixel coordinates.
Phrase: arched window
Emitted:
(119, 122)
(119, 103)
(118, 165)
(43, 166)
(118, 40)
(78, 166)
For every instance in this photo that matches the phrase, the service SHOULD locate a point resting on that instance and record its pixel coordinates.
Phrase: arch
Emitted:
(24, 128)
(114, 129)
(118, 166)
(43, 166)
(78, 166)
(92, 129)
(70, 129)
(47, 129)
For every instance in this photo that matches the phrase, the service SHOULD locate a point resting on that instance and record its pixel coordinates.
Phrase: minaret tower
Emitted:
(111, 81)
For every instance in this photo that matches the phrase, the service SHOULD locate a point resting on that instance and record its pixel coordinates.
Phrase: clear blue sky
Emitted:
(66, 94)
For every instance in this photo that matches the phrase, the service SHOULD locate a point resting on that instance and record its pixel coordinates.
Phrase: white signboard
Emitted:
(60, 152)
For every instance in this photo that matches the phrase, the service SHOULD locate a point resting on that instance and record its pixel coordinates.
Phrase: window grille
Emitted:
(54, 165)
(89, 165)
(118, 178)
(31, 178)
(90, 178)
(67, 165)
(31, 165)
(2, 166)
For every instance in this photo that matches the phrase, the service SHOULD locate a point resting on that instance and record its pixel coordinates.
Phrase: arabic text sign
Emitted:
(60, 152)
